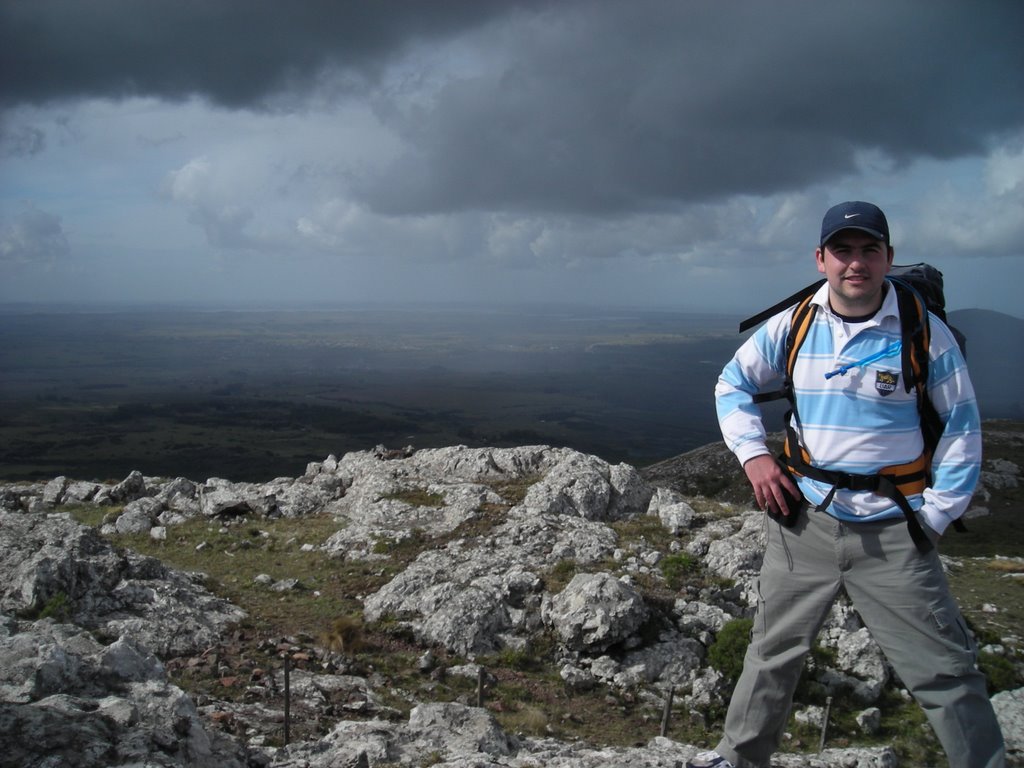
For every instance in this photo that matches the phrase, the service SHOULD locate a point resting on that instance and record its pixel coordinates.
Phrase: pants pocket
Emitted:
(956, 639)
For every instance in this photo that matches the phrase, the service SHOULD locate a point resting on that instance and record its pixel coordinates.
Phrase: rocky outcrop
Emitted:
(51, 564)
(67, 699)
(88, 631)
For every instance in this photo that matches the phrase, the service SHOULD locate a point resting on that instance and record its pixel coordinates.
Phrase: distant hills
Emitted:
(995, 356)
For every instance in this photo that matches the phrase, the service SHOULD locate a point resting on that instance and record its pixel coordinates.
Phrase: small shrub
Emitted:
(92, 515)
(676, 567)
(1000, 672)
(560, 575)
(982, 635)
(402, 546)
(514, 491)
(645, 528)
(1015, 565)
(538, 652)
(345, 635)
(58, 607)
(531, 720)
(418, 497)
(727, 652)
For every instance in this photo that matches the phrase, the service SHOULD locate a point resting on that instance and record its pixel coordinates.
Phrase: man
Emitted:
(854, 540)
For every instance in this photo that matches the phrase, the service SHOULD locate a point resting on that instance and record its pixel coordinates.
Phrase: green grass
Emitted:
(232, 555)
(418, 497)
(678, 568)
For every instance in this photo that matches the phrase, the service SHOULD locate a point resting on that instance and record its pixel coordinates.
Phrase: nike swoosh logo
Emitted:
(850, 215)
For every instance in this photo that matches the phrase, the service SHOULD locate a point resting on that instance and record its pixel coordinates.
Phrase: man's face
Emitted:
(855, 265)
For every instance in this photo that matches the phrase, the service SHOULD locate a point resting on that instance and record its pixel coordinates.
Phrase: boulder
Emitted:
(594, 612)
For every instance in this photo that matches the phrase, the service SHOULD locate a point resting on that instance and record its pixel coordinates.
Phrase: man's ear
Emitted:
(892, 252)
(819, 257)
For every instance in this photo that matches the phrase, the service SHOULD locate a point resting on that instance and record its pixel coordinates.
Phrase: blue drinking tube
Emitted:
(892, 349)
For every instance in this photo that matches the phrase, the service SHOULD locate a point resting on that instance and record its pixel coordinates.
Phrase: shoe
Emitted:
(708, 760)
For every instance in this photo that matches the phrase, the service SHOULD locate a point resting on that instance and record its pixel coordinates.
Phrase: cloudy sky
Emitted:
(641, 152)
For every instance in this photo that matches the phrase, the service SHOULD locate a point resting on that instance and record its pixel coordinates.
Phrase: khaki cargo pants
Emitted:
(903, 598)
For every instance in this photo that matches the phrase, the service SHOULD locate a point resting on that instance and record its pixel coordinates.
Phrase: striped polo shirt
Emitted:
(862, 420)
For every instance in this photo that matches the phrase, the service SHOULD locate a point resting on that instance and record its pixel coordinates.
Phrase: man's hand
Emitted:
(769, 481)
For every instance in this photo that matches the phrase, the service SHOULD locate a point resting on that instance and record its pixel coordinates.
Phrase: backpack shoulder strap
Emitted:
(916, 331)
(786, 303)
(799, 324)
(916, 335)
(803, 318)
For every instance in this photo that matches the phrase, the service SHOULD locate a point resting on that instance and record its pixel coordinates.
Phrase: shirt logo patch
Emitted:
(885, 382)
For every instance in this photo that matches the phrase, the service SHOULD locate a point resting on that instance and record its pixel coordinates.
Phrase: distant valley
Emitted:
(255, 394)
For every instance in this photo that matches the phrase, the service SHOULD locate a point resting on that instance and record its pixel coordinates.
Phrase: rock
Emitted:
(456, 728)
(594, 612)
(10, 499)
(139, 516)
(131, 488)
(738, 556)
(1000, 474)
(222, 498)
(286, 585)
(700, 620)
(859, 655)
(671, 508)
(869, 721)
(587, 486)
(576, 679)
(79, 492)
(671, 661)
(1009, 707)
(483, 597)
(812, 716)
(53, 492)
(180, 499)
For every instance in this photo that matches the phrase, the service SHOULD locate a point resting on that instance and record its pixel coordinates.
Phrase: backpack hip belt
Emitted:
(895, 482)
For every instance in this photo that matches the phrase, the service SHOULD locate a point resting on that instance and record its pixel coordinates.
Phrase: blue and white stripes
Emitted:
(864, 419)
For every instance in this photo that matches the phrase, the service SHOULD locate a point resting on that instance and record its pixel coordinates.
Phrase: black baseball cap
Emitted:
(855, 215)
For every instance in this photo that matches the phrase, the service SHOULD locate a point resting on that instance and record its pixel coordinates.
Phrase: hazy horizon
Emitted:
(391, 306)
(256, 393)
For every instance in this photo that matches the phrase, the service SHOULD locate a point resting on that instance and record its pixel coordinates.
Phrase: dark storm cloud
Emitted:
(639, 106)
(236, 53)
(567, 107)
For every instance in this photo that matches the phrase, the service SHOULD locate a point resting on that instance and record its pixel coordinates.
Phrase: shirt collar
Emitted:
(889, 308)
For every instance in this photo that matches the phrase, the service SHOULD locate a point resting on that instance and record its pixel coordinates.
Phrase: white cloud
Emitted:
(190, 183)
(33, 237)
(1004, 169)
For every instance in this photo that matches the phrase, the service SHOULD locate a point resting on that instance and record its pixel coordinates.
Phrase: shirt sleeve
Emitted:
(956, 464)
(758, 362)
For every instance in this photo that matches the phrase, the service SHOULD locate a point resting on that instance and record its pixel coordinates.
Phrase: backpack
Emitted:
(919, 290)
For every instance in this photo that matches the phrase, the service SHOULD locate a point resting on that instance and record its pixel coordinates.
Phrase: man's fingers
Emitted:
(778, 501)
(770, 484)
